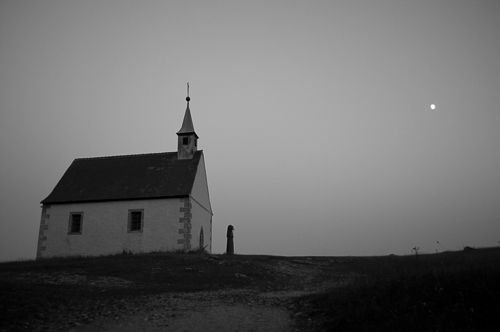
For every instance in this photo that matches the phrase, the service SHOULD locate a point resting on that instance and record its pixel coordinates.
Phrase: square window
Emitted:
(75, 223)
(185, 140)
(135, 220)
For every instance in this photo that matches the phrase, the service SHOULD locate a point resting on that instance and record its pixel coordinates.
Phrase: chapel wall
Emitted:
(105, 228)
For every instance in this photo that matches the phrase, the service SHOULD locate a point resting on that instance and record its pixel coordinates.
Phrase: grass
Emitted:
(456, 291)
(450, 291)
(154, 272)
(27, 299)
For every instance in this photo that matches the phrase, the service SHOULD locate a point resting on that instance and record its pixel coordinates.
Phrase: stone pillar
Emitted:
(230, 244)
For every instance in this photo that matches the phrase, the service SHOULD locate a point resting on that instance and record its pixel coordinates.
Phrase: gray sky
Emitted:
(314, 115)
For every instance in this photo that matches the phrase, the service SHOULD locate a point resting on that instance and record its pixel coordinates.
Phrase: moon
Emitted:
(433, 107)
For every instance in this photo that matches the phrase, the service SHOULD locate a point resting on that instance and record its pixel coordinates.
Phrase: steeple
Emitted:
(187, 124)
(187, 140)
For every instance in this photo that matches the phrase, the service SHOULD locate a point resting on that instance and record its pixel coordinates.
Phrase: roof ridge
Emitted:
(126, 155)
(130, 155)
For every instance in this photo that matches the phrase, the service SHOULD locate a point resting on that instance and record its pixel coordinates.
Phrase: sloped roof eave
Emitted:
(179, 133)
(45, 202)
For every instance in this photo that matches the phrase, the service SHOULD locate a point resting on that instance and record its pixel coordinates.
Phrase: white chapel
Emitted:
(130, 203)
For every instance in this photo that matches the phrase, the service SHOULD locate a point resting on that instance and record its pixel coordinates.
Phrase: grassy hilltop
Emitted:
(450, 291)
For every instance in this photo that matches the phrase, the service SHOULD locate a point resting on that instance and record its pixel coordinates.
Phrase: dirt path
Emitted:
(263, 305)
(206, 311)
(223, 310)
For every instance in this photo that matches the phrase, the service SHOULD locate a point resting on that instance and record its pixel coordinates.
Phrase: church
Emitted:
(131, 203)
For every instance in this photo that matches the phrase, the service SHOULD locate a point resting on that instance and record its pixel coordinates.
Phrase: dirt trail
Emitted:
(205, 311)
(223, 310)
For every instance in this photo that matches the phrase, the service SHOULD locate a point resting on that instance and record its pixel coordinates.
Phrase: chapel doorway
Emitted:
(202, 239)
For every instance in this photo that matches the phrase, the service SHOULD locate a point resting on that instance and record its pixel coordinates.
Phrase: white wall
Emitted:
(201, 209)
(200, 186)
(200, 217)
(105, 228)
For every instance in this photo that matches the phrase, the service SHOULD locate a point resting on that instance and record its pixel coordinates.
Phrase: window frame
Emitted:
(129, 223)
(70, 223)
(185, 140)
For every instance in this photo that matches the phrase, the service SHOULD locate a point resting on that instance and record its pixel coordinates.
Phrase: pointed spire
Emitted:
(187, 124)
(187, 140)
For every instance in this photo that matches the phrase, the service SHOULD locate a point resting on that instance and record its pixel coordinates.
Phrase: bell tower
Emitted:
(187, 140)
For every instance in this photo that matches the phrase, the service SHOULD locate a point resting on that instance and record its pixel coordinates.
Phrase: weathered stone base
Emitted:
(42, 237)
(185, 221)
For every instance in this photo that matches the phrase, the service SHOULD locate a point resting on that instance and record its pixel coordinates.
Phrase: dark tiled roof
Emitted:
(142, 176)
